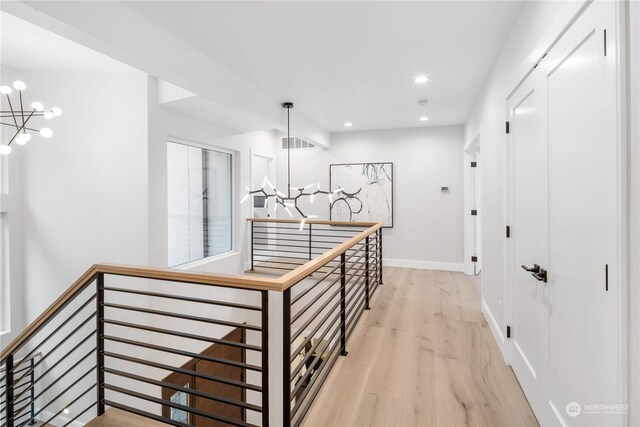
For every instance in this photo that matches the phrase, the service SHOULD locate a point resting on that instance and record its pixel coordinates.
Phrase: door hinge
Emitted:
(606, 277)
(508, 331)
(508, 233)
(474, 212)
(507, 127)
(474, 164)
(474, 259)
(605, 42)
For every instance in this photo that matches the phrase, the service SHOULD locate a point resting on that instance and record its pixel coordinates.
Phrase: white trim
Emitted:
(424, 265)
(204, 261)
(493, 325)
(59, 420)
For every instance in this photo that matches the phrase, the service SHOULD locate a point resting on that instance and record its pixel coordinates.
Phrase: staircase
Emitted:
(139, 346)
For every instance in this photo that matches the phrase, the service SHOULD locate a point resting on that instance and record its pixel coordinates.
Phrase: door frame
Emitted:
(556, 30)
(470, 152)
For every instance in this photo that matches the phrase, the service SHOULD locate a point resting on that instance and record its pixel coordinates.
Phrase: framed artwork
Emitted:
(367, 192)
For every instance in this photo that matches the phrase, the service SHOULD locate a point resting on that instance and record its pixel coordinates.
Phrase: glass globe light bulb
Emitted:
(5, 90)
(37, 106)
(19, 85)
(46, 132)
(5, 149)
(48, 115)
(20, 139)
(56, 111)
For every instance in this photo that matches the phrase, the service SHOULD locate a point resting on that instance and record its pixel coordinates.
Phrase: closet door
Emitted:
(527, 160)
(585, 338)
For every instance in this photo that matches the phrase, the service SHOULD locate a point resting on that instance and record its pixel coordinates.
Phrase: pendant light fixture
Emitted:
(19, 118)
(288, 201)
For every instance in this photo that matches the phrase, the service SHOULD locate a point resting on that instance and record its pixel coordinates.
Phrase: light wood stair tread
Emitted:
(118, 418)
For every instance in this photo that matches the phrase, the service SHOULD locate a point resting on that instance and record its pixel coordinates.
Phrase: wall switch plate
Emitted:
(444, 188)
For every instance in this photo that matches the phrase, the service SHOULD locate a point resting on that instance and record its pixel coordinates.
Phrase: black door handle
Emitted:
(541, 275)
(535, 269)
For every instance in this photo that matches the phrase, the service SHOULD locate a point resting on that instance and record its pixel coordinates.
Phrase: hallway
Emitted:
(423, 356)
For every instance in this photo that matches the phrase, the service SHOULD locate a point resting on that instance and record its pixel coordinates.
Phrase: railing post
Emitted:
(309, 242)
(252, 245)
(265, 358)
(343, 304)
(100, 343)
(380, 256)
(8, 379)
(366, 274)
(286, 358)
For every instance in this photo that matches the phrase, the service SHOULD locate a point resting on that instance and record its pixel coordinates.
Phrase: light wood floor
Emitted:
(423, 356)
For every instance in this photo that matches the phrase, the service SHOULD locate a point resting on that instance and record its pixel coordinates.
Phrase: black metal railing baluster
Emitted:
(8, 384)
(343, 305)
(265, 358)
(310, 242)
(100, 343)
(366, 273)
(286, 353)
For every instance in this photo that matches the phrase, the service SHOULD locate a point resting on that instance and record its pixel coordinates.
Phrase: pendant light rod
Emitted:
(288, 106)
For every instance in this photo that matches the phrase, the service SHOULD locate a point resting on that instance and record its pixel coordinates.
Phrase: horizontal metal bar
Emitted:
(79, 414)
(279, 239)
(63, 392)
(50, 352)
(184, 298)
(326, 248)
(176, 406)
(35, 381)
(187, 390)
(182, 316)
(51, 316)
(169, 368)
(61, 376)
(73, 315)
(69, 405)
(306, 291)
(184, 353)
(333, 355)
(310, 304)
(182, 334)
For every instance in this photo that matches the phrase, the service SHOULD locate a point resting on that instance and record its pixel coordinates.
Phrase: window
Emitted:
(199, 203)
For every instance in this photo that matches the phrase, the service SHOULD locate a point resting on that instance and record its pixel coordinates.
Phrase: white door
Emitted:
(585, 341)
(527, 160)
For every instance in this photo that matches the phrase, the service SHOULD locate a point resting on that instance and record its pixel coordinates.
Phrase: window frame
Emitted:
(232, 225)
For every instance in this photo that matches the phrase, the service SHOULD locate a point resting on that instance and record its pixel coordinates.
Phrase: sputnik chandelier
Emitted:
(288, 201)
(19, 117)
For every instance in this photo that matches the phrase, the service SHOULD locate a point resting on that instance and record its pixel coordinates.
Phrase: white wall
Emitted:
(488, 116)
(167, 123)
(80, 196)
(428, 224)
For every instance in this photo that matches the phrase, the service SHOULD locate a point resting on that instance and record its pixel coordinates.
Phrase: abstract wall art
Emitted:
(367, 192)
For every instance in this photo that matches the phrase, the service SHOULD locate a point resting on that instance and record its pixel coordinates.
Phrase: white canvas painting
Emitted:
(367, 192)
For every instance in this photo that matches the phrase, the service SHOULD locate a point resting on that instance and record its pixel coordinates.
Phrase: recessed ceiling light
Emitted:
(348, 124)
(424, 118)
(421, 79)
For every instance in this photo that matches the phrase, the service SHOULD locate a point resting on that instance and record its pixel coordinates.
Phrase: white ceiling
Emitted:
(350, 61)
(28, 47)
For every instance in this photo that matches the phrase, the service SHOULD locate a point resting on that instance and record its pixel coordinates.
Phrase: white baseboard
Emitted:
(423, 265)
(493, 325)
(60, 420)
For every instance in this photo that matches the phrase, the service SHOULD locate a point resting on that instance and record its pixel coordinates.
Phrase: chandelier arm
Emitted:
(22, 109)
(21, 128)
(13, 114)
(9, 124)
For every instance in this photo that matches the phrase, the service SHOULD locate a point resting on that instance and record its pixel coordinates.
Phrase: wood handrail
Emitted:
(316, 221)
(278, 284)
